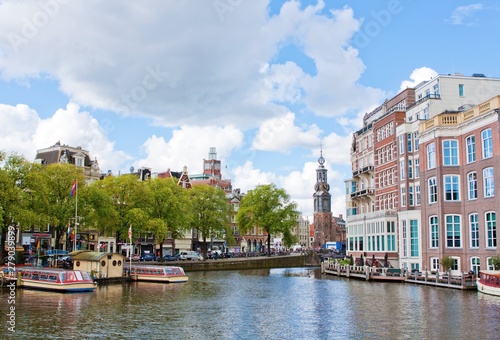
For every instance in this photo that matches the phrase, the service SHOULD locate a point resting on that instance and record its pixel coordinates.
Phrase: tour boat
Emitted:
(167, 274)
(488, 282)
(56, 279)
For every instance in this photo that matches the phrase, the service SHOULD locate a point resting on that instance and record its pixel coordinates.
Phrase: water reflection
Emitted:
(258, 304)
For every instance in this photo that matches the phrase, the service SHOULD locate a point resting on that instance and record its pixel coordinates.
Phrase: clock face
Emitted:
(326, 187)
(316, 187)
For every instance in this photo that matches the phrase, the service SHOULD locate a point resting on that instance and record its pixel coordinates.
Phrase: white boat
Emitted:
(488, 282)
(167, 274)
(56, 279)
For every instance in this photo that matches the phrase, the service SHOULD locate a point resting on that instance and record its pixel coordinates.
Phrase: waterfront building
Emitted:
(61, 153)
(409, 212)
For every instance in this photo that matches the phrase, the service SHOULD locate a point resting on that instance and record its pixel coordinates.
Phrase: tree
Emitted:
(269, 208)
(447, 262)
(127, 193)
(210, 212)
(495, 261)
(169, 208)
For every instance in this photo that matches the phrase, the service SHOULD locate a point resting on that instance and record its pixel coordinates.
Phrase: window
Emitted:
(414, 237)
(490, 265)
(461, 90)
(434, 263)
(402, 170)
(474, 230)
(491, 229)
(472, 185)
(417, 168)
(450, 152)
(453, 237)
(409, 142)
(436, 89)
(432, 190)
(401, 144)
(451, 188)
(415, 140)
(431, 156)
(410, 169)
(411, 201)
(488, 182)
(434, 231)
(417, 191)
(475, 264)
(487, 143)
(403, 197)
(471, 149)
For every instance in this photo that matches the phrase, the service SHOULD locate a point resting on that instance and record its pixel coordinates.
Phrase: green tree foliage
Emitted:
(169, 208)
(495, 261)
(210, 213)
(126, 193)
(447, 262)
(269, 208)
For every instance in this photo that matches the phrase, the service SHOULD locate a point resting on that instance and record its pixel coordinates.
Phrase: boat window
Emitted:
(70, 276)
(79, 276)
(119, 263)
(78, 263)
(103, 263)
(53, 278)
(114, 263)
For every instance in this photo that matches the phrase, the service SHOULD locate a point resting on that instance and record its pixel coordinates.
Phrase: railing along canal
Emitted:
(368, 273)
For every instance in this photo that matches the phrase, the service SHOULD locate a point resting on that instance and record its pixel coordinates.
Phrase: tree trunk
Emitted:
(268, 244)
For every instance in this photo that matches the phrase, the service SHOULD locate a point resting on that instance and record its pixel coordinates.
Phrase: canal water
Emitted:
(292, 303)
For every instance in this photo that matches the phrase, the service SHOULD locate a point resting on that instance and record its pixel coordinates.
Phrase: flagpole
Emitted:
(76, 215)
(130, 248)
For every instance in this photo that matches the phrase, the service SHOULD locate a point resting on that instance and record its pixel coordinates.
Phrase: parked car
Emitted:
(148, 257)
(170, 257)
(134, 257)
(190, 255)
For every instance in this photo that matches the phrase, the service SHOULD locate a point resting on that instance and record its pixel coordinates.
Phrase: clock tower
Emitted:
(322, 205)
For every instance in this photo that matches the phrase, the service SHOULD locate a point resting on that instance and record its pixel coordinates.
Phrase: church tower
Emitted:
(322, 205)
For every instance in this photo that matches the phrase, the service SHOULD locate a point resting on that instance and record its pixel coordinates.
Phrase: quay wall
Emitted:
(262, 262)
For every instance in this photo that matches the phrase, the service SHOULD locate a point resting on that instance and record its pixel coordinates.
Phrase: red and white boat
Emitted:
(56, 279)
(167, 274)
(488, 282)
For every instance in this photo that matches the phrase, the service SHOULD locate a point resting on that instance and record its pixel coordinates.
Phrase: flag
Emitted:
(72, 236)
(69, 228)
(38, 244)
(130, 232)
(73, 188)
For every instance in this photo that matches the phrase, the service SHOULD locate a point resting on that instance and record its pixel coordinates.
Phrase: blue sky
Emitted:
(156, 83)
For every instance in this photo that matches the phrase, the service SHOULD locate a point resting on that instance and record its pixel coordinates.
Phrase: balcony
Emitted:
(363, 170)
(363, 192)
(421, 100)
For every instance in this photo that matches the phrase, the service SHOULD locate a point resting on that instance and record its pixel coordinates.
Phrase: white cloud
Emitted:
(417, 76)
(188, 147)
(186, 62)
(462, 14)
(24, 132)
(246, 177)
(280, 134)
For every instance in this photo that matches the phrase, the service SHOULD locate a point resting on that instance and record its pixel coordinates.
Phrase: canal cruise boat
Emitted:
(488, 282)
(56, 279)
(166, 274)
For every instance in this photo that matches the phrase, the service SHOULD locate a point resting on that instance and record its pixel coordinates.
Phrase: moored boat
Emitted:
(488, 282)
(167, 274)
(56, 279)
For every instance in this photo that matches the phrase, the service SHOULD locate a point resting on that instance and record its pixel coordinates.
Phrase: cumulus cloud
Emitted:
(417, 76)
(188, 147)
(186, 62)
(281, 134)
(24, 132)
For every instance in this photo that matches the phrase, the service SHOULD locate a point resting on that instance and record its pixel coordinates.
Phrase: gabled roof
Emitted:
(92, 256)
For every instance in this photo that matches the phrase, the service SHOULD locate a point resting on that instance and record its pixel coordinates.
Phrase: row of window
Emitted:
(451, 186)
(450, 150)
(385, 131)
(475, 264)
(412, 142)
(453, 225)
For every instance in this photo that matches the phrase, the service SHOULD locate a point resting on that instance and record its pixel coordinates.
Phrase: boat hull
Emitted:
(485, 289)
(60, 287)
(165, 279)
